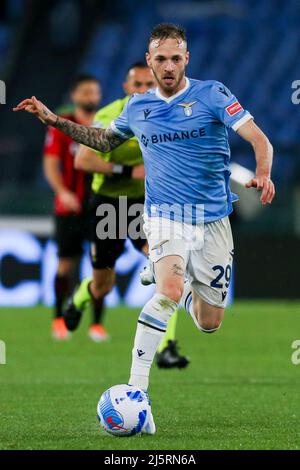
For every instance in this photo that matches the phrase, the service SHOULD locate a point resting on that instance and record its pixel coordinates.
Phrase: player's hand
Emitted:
(265, 185)
(70, 201)
(36, 107)
(138, 172)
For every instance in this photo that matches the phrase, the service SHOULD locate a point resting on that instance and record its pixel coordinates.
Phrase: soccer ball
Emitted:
(123, 409)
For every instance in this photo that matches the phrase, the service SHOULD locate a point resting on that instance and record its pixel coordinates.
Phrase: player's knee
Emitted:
(210, 325)
(172, 290)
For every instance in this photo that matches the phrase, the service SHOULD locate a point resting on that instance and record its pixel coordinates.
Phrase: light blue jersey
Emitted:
(184, 142)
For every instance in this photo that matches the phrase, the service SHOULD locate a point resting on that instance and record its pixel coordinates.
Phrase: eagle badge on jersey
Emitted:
(187, 108)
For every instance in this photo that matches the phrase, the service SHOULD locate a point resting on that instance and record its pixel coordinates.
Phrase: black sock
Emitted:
(62, 290)
(98, 310)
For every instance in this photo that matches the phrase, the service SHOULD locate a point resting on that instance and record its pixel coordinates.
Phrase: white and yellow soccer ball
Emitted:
(123, 410)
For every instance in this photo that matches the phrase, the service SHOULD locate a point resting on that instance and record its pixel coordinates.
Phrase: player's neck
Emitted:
(84, 117)
(171, 93)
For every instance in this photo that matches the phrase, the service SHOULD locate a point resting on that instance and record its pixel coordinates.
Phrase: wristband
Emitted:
(122, 170)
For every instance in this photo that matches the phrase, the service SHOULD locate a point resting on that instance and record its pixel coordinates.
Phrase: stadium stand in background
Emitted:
(255, 58)
(251, 46)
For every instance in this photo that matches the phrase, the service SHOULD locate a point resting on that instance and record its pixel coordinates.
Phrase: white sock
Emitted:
(152, 325)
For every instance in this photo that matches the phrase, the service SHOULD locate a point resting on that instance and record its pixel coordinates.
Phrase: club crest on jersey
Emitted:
(187, 108)
(146, 113)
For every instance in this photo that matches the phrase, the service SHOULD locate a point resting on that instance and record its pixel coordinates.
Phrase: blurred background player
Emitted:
(72, 188)
(115, 174)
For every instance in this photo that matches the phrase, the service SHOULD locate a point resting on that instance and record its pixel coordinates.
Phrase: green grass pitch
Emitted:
(241, 390)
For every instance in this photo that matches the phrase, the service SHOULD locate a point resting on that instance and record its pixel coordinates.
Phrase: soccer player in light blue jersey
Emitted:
(182, 129)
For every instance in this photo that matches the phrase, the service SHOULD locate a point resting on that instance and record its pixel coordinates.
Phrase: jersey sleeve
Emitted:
(227, 108)
(53, 146)
(121, 125)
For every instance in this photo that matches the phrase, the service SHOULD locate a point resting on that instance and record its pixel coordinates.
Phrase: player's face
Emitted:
(168, 60)
(139, 80)
(87, 96)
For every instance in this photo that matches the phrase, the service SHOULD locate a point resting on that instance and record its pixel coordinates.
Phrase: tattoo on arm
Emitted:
(177, 270)
(104, 140)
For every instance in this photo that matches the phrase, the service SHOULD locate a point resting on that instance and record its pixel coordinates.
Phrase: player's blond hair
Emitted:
(167, 30)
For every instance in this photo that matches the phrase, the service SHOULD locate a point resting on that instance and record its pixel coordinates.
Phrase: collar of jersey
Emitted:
(173, 97)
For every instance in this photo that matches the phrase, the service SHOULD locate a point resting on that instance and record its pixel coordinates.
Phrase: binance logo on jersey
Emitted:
(187, 108)
(173, 136)
(144, 140)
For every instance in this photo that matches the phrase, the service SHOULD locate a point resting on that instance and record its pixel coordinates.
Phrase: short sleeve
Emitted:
(227, 108)
(53, 145)
(121, 126)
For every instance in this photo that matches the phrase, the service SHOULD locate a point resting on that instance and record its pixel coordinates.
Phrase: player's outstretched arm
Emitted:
(264, 157)
(104, 140)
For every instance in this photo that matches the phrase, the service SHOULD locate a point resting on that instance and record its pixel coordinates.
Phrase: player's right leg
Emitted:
(62, 282)
(69, 249)
(167, 251)
(168, 256)
(153, 320)
(168, 356)
(62, 287)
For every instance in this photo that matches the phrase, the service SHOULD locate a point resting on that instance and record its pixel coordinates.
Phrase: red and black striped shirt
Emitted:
(60, 146)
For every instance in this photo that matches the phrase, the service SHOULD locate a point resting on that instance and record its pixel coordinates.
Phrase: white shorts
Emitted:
(207, 251)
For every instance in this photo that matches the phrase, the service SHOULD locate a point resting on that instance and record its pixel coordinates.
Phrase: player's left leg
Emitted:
(209, 272)
(207, 318)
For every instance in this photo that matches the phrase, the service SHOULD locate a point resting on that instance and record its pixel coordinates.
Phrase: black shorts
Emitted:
(106, 251)
(70, 233)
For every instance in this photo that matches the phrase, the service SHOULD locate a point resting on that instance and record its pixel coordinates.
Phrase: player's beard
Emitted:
(172, 88)
(88, 107)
